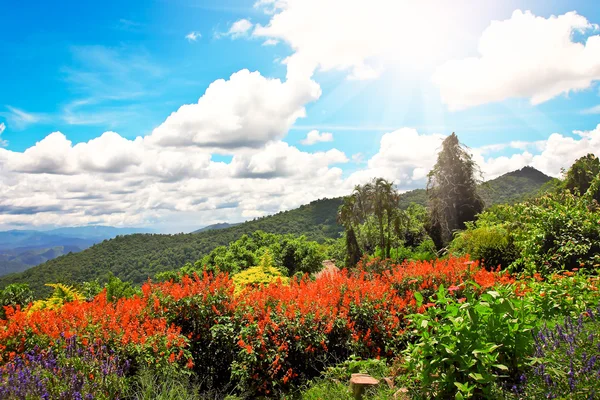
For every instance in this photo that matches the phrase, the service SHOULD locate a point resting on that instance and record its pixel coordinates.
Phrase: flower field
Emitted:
(264, 340)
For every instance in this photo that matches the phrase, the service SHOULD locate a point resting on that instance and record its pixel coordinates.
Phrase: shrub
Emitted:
(566, 363)
(492, 245)
(462, 346)
(73, 372)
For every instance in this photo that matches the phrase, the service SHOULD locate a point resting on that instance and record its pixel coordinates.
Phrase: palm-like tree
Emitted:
(377, 198)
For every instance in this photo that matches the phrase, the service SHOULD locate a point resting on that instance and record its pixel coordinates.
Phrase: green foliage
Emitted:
(452, 191)
(146, 386)
(335, 249)
(117, 289)
(17, 294)
(581, 174)
(556, 232)
(492, 244)
(461, 348)
(291, 254)
(553, 232)
(91, 289)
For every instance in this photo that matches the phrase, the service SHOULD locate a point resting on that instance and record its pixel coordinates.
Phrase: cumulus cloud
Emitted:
(119, 181)
(193, 36)
(314, 136)
(247, 110)
(405, 156)
(348, 35)
(525, 56)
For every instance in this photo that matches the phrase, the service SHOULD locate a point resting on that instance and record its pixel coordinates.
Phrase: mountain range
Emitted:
(136, 257)
(23, 249)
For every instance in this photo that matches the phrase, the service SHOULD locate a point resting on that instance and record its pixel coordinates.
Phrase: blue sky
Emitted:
(85, 68)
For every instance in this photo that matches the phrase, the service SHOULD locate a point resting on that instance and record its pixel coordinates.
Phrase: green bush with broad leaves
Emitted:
(463, 346)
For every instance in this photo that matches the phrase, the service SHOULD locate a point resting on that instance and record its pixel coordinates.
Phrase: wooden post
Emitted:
(358, 383)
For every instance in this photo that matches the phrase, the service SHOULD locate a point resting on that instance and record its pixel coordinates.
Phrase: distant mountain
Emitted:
(23, 249)
(139, 256)
(96, 231)
(214, 227)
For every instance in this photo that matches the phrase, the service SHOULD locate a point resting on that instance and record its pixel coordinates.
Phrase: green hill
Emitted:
(138, 256)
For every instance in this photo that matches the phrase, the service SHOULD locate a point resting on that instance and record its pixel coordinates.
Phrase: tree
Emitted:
(581, 174)
(452, 192)
(371, 211)
(348, 218)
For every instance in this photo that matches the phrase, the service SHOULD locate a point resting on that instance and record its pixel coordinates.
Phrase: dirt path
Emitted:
(329, 268)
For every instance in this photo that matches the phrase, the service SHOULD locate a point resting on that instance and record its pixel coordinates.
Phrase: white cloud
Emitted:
(363, 39)
(525, 56)
(405, 156)
(314, 136)
(357, 158)
(515, 144)
(270, 42)
(3, 143)
(20, 119)
(592, 110)
(193, 36)
(247, 110)
(118, 181)
(238, 29)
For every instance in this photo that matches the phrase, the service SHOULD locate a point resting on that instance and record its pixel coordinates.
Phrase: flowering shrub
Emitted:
(125, 326)
(77, 372)
(263, 339)
(567, 359)
(285, 334)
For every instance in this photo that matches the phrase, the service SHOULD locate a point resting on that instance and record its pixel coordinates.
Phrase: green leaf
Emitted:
(419, 298)
(501, 366)
(478, 377)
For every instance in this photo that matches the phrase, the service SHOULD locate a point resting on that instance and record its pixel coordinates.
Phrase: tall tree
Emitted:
(452, 191)
(581, 174)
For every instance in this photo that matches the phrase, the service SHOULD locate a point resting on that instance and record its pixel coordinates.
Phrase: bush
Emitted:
(463, 346)
(566, 363)
(73, 372)
(549, 234)
(263, 274)
(492, 245)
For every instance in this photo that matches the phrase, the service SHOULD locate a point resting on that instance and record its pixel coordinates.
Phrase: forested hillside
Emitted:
(136, 257)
